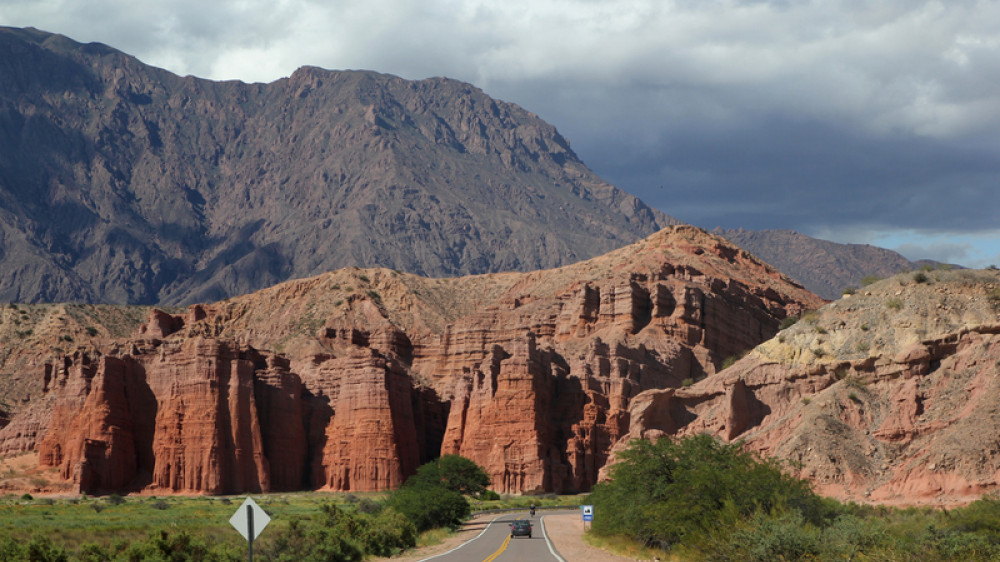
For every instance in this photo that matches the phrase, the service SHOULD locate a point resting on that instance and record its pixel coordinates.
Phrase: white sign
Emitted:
(588, 512)
(241, 519)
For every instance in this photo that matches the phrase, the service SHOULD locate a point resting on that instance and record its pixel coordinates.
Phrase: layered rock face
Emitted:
(206, 415)
(529, 375)
(887, 396)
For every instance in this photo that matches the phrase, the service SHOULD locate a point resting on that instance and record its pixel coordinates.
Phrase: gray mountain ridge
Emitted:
(825, 268)
(124, 183)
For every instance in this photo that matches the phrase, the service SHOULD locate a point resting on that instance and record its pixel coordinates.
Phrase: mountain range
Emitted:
(124, 183)
(825, 268)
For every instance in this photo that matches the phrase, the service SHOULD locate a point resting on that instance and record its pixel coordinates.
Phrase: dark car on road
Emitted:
(520, 528)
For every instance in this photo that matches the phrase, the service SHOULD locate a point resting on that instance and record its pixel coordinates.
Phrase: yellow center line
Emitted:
(503, 547)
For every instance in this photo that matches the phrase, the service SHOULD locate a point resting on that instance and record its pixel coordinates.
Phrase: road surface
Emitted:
(494, 543)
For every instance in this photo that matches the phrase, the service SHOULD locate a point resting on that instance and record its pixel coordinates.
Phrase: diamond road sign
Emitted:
(249, 516)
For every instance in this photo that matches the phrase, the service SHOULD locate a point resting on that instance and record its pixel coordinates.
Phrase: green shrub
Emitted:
(993, 295)
(894, 303)
(788, 322)
(489, 496)
(162, 545)
(773, 537)
(849, 535)
(920, 277)
(41, 549)
(428, 507)
(388, 533)
(662, 493)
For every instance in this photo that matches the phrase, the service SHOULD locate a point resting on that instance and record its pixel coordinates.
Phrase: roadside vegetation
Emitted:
(304, 526)
(698, 498)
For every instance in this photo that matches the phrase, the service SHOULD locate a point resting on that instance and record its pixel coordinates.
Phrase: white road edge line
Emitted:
(486, 528)
(552, 549)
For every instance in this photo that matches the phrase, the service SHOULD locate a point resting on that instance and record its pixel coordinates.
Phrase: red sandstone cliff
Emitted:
(890, 395)
(349, 380)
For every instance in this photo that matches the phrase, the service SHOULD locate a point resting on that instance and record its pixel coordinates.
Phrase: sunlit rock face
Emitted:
(890, 395)
(351, 380)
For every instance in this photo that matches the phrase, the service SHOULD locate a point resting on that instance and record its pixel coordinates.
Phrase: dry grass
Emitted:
(622, 546)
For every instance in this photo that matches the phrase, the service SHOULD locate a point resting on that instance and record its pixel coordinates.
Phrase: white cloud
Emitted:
(891, 108)
(927, 67)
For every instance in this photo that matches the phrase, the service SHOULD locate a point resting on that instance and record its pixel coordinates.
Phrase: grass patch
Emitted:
(73, 522)
(433, 537)
(524, 502)
(617, 544)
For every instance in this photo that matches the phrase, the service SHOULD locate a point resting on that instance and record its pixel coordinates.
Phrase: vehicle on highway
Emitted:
(520, 528)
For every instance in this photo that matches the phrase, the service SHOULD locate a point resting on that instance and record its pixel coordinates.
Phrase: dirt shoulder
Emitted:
(566, 533)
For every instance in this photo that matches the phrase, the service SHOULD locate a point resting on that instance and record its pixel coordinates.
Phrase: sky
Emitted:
(861, 121)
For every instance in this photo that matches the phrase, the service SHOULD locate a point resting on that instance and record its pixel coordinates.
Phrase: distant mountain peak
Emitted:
(124, 183)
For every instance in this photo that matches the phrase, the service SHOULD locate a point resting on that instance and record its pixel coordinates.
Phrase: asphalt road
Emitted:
(494, 543)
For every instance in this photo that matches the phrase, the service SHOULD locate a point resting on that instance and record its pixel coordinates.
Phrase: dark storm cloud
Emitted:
(853, 119)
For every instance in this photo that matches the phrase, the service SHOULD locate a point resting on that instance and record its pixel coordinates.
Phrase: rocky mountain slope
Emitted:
(124, 183)
(825, 268)
(890, 395)
(349, 380)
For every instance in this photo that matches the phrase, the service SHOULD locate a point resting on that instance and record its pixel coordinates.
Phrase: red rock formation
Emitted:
(530, 375)
(888, 396)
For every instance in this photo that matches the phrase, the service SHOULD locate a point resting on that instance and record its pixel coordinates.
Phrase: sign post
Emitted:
(588, 514)
(249, 520)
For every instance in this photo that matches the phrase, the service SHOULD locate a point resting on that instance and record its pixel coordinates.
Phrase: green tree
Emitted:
(453, 472)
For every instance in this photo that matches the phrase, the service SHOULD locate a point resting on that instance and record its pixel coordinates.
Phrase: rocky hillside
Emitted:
(889, 395)
(349, 380)
(825, 268)
(124, 183)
